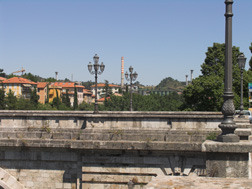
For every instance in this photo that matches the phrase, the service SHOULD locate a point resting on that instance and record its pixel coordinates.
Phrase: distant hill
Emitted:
(169, 83)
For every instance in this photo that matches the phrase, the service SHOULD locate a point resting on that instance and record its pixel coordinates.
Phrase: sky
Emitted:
(158, 38)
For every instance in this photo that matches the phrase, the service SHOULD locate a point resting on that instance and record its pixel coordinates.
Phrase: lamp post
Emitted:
(96, 71)
(228, 126)
(131, 77)
(241, 62)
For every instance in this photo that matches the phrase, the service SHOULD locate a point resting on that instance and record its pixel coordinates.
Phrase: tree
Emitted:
(205, 92)
(88, 84)
(66, 99)
(170, 84)
(34, 97)
(75, 99)
(32, 77)
(56, 101)
(11, 101)
(250, 61)
(106, 90)
(2, 99)
(2, 74)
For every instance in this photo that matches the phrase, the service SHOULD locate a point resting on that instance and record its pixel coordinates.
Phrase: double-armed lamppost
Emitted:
(241, 62)
(96, 71)
(131, 77)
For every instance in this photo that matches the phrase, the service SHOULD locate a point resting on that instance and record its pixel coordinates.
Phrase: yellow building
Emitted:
(53, 92)
(21, 87)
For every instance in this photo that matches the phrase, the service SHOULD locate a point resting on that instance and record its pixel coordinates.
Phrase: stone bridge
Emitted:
(79, 149)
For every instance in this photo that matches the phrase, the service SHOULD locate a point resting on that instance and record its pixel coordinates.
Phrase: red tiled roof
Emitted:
(66, 85)
(19, 80)
(86, 91)
(103, 85)
(41, 84)
(2, 78)
(102, 99)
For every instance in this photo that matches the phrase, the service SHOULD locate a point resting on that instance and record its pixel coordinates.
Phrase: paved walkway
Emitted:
(179, 182)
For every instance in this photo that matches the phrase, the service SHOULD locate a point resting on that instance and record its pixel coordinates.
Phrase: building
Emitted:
(54, 92)
(87, 96)
(69, 87)
(100, 89)
(21, 87)
(42, 91)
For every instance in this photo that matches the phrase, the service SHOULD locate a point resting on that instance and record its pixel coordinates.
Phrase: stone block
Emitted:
(58, 185)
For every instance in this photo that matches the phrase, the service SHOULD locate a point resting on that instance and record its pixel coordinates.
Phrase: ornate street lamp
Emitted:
(131, 77)
(228, 126)
(241, 62)
(96, 71)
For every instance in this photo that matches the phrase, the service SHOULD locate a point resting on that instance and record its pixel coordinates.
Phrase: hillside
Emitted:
(169, 83)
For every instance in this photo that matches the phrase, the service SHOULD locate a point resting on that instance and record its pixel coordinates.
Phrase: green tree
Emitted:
(106, 90)
(250, 61)
(66, 99)
(11, 101)
(205, 92)
(2, 74)
(75, 105)
(31, 77)
(34, 97)
(88, 84)
(2, 99)
(56, 101)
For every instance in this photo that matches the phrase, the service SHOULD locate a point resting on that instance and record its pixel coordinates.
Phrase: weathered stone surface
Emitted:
(170, 182)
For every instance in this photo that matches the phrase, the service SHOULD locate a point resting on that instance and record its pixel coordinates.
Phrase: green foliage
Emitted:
(32, 77)
(250, 61)
(151, 102)
(205, 93)
(168, 84)
(2, 99)
(88, 84)
(56, 101)
(75, 105)
(106, 90)
(11, 101)
(211, 136)
(34, 97)
(66, 99)
(50, 79)
(85, 106)
(2, 74)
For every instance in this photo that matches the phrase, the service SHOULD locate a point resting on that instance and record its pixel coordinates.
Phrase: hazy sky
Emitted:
(159, 38)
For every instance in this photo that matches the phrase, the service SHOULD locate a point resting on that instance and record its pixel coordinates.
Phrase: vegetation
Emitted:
(205, 92)
(169, 84)
(152, 102)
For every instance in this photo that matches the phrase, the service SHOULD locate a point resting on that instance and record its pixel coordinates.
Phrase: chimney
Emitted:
(191, 75)
(56, 76)
(186, 76)
(122, 72)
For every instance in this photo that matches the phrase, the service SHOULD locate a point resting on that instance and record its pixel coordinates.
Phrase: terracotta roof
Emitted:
(103, 85)
(86, 91)
(66, 85)
(19, 80)
(41, 84)
(118, 94)
(2, 78)
(102, 99)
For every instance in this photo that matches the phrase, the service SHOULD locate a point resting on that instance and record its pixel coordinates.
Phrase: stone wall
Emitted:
(55, 149)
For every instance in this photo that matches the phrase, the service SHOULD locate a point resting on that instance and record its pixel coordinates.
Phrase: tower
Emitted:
(122, 72)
